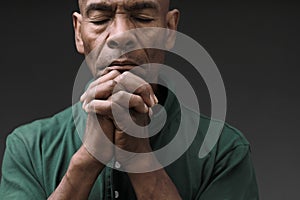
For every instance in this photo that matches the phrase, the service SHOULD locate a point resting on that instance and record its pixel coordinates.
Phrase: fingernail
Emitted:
(152, 100)
(82, 97)
(146, 108)
(86, 108)
(155, 99)
(150, 112)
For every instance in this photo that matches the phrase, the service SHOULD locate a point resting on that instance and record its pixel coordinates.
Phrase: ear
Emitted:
(77, 20)
(172, 24)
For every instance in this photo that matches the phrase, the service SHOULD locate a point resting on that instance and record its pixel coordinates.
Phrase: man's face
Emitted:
(101, 26)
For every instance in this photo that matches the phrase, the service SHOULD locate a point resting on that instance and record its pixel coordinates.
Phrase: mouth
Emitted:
(122, 65)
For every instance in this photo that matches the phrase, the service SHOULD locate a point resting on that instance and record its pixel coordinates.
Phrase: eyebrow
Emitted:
(98, 7)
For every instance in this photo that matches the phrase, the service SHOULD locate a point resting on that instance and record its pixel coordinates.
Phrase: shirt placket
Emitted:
(109, 184)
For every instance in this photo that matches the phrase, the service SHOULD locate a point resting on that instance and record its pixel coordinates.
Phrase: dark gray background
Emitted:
(255, 45)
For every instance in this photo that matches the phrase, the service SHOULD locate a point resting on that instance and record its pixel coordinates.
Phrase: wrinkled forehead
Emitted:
(163, 4)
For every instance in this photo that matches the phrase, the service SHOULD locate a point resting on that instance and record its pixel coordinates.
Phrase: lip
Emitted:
(122, 65)
(121, 68)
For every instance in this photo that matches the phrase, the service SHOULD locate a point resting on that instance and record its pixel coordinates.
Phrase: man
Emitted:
(46, 159)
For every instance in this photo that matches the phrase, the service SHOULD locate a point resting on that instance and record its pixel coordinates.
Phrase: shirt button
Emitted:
(117, 165)
(116, 194)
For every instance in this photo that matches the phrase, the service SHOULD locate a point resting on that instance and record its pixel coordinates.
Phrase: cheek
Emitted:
(92, 38)
(93, 43)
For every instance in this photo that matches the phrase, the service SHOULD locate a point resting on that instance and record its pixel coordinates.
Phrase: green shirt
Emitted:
(38, 154)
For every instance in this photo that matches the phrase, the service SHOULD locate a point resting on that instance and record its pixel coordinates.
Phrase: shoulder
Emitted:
(44, 131)
(215, 136)
(207, 125)
(37, 154)
(226, 160)
(228, 132)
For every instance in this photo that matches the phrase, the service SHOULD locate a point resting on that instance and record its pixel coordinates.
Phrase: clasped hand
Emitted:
(119, 92)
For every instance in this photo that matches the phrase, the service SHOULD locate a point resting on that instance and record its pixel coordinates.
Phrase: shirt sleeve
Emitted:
(233, 177)
(19, 176)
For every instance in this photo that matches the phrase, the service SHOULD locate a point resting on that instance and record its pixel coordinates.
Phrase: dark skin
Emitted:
(94, 28)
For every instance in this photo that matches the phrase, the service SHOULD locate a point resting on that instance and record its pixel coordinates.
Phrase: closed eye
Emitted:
(143, 19)
(100, 22)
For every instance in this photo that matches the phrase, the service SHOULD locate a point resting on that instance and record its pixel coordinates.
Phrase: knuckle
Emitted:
(90, 107)
(145, 88)
(111, 83)
(127, 73)
(122, 94)
(89, 94)
(148, 87)
(138, 100)
(96, 82)
(119, 95)
(93, 92)
(115, 72)
(119, 78)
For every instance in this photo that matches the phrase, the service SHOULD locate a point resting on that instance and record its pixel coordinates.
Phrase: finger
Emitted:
(127, 122)
(110, 76)
(138, 86)
(100, 107)
(130, 101)
(139, 71)
(101, 91)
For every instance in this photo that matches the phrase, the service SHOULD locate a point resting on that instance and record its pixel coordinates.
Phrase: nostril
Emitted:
(113, 44)
(130, 44)
(124, 42)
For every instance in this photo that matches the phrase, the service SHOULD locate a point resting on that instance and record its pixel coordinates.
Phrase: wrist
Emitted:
(84, 164)
(154, 185)
(140, 163)
(80, 177)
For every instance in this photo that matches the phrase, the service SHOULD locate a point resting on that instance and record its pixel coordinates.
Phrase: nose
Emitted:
(122, 41)
(120, 36)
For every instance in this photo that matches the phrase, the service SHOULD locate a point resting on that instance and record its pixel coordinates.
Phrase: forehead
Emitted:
(161, 4)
